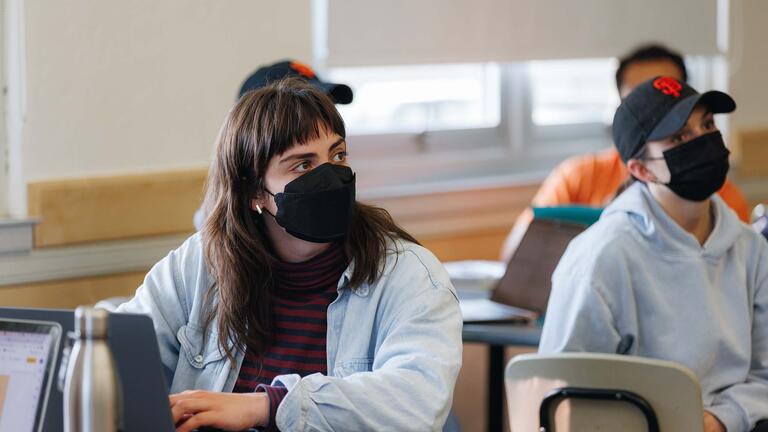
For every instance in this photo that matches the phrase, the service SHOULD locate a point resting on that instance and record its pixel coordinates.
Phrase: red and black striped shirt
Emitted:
(303, 292)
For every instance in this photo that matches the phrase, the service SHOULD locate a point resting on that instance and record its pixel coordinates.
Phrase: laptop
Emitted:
(137, 358)
(28, 352)
(522, 293)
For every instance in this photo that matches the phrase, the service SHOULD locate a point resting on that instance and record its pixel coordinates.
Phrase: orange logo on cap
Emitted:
(303, 69)
(668, 86)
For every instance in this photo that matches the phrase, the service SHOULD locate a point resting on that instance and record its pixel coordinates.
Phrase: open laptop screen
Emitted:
(527, 281)
(27, 354)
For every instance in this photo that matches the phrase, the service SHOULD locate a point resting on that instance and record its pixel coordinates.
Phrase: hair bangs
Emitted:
(297, 115)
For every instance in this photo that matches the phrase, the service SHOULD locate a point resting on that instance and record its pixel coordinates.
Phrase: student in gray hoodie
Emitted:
(669, 271)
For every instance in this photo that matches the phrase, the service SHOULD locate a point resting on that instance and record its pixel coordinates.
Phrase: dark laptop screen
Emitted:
(527, 281)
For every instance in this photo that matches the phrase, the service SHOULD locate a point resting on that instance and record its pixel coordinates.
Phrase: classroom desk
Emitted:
(497, 336)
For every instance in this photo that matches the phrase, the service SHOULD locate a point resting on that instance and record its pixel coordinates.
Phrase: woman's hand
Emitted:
(229, 411)
(712, 423)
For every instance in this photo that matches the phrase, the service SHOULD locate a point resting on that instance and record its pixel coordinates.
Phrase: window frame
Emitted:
(516, 150)
(4, 161)
(515, 143)
(13, 75)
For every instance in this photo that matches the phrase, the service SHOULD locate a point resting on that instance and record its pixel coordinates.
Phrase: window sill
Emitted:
(77, 261)
(16, 235)
(448, 185)
(425, 173)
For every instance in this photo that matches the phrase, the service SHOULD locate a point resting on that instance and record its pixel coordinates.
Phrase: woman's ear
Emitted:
(640, 171)
(257, 205)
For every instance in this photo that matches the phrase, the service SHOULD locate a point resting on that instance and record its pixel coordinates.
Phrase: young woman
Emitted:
(669, 271)
(297, 307)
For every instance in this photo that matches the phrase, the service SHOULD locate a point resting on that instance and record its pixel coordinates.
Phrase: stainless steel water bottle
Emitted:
(92, 400)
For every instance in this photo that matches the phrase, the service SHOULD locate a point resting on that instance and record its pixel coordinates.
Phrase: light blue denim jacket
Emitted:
(393, 347)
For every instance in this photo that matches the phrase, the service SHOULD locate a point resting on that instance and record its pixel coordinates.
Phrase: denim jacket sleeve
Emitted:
(163, 297)
(410, 384)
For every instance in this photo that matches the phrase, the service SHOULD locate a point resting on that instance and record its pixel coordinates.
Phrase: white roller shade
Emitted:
(375, 32)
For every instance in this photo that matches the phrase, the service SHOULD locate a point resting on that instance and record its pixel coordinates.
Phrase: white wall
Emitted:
(749, 63)
(439, 31)
(133, 86)
(116, 87)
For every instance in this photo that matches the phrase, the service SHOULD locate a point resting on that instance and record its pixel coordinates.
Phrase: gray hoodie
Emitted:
(637, 283)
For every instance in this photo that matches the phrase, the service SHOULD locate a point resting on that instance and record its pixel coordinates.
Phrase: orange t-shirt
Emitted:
(594, 179)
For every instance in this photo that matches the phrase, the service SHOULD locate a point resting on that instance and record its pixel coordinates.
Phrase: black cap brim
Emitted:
(340, 93)
(717, 102)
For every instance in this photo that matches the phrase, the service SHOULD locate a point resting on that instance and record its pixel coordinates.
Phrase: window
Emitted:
(464, 122)
(572, 92)
(420, 98)
(570, 100)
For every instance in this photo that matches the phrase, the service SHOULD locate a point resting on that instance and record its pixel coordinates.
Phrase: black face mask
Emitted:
(318, 206)
(698, 167)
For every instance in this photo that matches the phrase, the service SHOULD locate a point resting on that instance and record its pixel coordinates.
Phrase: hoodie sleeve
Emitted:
(742, 405)
(579, 317)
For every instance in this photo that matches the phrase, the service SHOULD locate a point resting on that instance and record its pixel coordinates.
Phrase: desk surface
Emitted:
(498, 333)
(502, 334)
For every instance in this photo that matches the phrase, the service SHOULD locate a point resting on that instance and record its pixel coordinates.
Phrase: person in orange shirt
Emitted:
(595, 179)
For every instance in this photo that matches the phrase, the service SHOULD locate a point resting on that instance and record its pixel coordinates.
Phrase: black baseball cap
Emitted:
(658, 108)
(340, 93)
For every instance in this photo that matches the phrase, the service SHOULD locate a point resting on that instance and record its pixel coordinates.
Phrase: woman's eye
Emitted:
(710, 124)
(304, 166)
(677, 139)
(340, 156)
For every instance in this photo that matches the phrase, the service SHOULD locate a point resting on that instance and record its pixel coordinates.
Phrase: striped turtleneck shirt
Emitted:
(303, 292)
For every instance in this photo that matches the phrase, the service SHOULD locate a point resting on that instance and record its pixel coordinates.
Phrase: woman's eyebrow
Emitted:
(298, 156)
(310, 155)
(339, 142)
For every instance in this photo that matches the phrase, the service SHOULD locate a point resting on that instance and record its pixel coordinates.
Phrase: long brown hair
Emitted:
(263, 124)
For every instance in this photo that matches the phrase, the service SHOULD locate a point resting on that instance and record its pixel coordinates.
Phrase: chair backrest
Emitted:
(583, 215)
(670, 390)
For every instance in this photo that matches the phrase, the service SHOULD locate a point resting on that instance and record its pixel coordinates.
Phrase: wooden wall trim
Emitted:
(68, 294)
(101, 209)
(116, 207)
(751, 151)
(109, 225)
(460, 212)
(92, 259)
